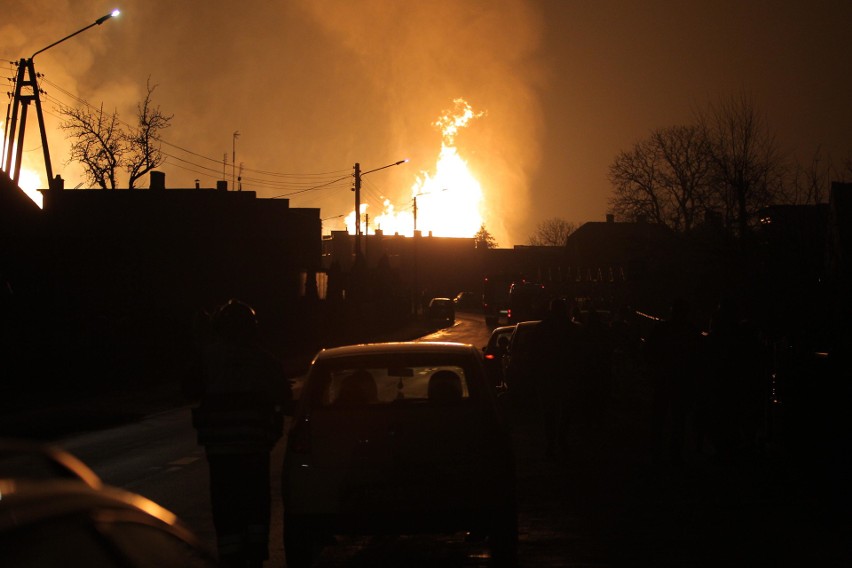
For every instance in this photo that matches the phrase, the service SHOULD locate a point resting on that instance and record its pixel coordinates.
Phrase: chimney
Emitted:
(158, 180)
(57, 183)
(222, 185)
(610, 218)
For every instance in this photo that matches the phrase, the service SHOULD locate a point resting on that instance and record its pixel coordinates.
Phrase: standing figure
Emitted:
(554, 352)
(241, 388)
(673, 351)
(736, 381)
(596, 364)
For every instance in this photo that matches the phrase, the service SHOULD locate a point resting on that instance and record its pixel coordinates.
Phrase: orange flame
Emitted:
(447, 202)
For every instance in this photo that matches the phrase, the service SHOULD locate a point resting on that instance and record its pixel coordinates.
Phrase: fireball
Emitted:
(30, 183)
(447, 202)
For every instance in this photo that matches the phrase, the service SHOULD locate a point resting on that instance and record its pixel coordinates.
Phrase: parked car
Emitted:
(55, 511)
(398, 438)
(442, 310)
(468, 301)
(495, 352)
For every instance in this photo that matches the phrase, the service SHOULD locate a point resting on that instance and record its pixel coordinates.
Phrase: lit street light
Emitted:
(22, 101)
(97, 22)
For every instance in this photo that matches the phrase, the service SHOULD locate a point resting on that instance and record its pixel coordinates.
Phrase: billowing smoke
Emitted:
(312, 86)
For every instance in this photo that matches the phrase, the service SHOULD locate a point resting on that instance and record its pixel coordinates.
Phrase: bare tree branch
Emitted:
(102, 146)
(552, 232)
(143, 152)
(97, 143)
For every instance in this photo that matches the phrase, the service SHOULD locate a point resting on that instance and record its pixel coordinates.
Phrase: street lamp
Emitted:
(22, 101)
(97, 22)
(357, 189)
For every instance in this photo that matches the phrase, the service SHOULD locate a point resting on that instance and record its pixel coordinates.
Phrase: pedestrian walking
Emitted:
(241, 388)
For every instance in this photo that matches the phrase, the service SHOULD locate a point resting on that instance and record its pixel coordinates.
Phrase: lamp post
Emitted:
(357, 189)
(417, 299)
(27, 78)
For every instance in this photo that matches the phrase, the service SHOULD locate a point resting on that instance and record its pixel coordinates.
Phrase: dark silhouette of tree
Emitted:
(846, 173)
(665, 178)
(98, 143)
(810, 183)
(636, 178)
(142, 145)
(484, 239)
(552, 232)
(748, 166)
(103, 145)
(727, 161)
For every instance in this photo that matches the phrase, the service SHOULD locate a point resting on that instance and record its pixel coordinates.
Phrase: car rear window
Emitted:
(348, 386)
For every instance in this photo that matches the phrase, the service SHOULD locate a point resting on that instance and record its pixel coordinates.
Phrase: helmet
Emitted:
(236, 321)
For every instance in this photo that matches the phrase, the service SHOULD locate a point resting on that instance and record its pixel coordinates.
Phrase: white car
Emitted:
(398, 438)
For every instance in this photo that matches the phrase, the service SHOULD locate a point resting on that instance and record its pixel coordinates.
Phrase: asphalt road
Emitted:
(606, 503)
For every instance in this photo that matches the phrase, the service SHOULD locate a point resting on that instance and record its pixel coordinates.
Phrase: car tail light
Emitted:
(489, 356)
(299, 439)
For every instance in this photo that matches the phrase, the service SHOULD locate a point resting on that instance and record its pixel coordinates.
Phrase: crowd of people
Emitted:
(706, 388)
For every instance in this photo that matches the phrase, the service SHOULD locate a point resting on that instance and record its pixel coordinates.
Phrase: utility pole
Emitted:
(27, 78)
(234, 158)
(357, 190)
(415, 214)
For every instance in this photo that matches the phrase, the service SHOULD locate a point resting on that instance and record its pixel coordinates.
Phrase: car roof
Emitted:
(398, 347)
(36, 501)
(23, 459)
(502, 329)
(41, 484)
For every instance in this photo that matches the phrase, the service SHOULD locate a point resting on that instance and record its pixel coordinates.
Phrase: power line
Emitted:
(295, 181)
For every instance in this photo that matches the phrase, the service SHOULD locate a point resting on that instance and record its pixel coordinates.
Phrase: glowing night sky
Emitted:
(313, 86)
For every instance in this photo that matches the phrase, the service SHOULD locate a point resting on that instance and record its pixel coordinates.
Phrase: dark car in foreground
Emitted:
(54, 511)
(398, 438)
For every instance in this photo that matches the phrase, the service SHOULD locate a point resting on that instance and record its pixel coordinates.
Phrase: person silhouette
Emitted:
(445, 386)
(735, 380)
(555, 343)
(357, 388)
(241, 389)
(673, 351)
